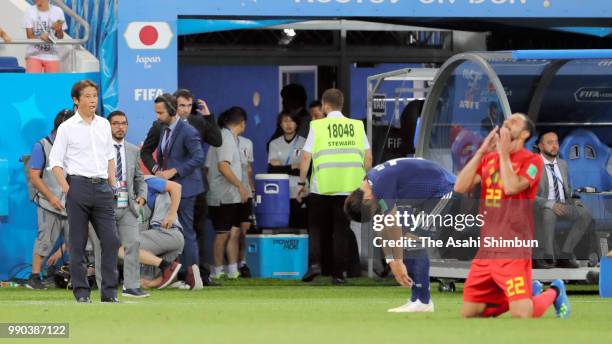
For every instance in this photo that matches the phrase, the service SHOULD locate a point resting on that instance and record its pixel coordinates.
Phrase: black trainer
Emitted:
(35, 283)
(245, 272)
(135, 292)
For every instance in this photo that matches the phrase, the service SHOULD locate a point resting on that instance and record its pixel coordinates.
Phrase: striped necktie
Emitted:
(555, 182)
(119, 173)
(166, 149)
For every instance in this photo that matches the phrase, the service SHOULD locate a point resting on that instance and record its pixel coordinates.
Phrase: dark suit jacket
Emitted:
(205, 125)
(186, 156)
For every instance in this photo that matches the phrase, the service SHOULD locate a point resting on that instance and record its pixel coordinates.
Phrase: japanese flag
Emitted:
(148, 35)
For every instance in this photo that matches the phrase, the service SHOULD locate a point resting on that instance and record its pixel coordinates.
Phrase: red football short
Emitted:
(497, 281)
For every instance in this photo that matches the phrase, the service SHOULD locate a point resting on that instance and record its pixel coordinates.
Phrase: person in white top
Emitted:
(284, 155)
(83, 149)
(554, 200)
(46, 22)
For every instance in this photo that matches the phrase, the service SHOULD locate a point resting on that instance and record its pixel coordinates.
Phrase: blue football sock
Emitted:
(417, 263)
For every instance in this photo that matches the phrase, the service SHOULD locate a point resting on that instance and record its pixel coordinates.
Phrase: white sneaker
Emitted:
(414, 307)
(180, 285)
(233, 276)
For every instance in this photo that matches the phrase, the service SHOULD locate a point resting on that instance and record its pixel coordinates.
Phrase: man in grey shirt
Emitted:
(226, 193)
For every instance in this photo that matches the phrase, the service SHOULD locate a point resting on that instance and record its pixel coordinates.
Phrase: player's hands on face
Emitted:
(503, 144)
(489, 142)
(401, 273)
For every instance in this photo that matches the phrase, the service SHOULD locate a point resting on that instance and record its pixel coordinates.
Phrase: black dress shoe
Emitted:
(543, 264)
(339, 281)
(568, 263)
(83, 299)
(110, 300)
(209, 282)
(313, 271)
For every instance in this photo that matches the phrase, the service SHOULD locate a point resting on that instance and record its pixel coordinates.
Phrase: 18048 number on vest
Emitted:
(340, 130)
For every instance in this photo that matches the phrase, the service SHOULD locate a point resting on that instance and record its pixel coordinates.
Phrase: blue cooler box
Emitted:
(272, 203)
(283, 256)
(605, 277)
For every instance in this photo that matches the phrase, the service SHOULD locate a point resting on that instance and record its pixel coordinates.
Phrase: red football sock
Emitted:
(542, 302)
(495, 310)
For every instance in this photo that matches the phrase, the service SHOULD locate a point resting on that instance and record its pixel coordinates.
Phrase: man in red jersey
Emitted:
(500, 275)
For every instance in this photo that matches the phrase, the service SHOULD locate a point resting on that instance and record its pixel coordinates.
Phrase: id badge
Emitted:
(122, 195)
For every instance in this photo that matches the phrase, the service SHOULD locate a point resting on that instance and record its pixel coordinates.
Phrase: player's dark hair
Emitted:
(353, 205)
(286, 113)
(529, 126)
(62, 117)
(116, 113)
(232, 116)
(169, 102)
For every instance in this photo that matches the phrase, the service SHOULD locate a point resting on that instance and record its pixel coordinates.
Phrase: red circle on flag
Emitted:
(148, 35)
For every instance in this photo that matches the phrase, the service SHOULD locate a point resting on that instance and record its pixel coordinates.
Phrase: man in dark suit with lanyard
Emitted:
(204, 122)
(180, 157)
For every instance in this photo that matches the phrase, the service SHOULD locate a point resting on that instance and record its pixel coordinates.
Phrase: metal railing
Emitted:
(72, 41)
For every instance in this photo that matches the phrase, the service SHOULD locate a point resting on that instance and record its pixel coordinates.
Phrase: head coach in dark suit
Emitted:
(180, 157)
(554, 200)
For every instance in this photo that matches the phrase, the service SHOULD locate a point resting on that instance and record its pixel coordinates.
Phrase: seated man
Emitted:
(554, 201)
(163, 240)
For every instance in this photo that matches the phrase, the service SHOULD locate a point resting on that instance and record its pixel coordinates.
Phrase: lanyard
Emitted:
(291, 149)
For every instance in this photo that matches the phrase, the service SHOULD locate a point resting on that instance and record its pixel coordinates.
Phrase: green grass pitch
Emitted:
(265, 311)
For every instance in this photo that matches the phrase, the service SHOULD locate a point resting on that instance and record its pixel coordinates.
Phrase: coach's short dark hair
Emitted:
(79, 86)
(334, 98)
(183, 93)
(232, 116)
(169, 102)
(116, 113)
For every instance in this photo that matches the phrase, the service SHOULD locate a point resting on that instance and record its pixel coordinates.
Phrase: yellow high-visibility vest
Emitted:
(338, 154)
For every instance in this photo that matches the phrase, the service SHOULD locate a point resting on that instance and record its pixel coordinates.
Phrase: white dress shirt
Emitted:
(556, 178)
(83, 149)
(123, 158)
(309, 146)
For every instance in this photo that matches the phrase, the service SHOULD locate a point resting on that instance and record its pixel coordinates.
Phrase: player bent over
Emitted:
(392, 186)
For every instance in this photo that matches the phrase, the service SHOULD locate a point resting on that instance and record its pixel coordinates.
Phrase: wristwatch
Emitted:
(301, 183)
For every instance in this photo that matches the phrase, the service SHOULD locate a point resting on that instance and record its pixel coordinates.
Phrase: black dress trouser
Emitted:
(328, 223)
(92, 200)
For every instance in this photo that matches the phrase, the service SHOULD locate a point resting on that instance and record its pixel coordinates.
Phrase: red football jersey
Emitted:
(508, 217)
